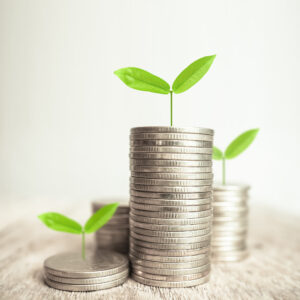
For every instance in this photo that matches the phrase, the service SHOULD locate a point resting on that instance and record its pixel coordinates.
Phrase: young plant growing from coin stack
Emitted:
(142, 80)
(235, 148)
(62, 223)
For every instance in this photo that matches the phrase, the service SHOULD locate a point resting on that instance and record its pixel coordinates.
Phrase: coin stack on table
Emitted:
(170, 205)
(98, 271)
(230, 222)
(115, 234)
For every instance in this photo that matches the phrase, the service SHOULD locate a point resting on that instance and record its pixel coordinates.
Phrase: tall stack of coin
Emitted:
(170, 205)
(230, 222)
(114, 235)
(98, 271)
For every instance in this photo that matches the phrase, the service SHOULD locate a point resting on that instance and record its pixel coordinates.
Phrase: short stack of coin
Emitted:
(98, 271)
(170, 205)
(230, 222)
(115, 234)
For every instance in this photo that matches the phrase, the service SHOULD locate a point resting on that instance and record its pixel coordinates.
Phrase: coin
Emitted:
(164, 202)
(230, 257)
(173, 176)
(176, 228)
(171, 215)
(228, 243)
(163, 221)
(171, 136)
(232, 209)
(231, 188)
(170, 163)
(171, 143)
(170, 196)
(186, 208)
(164, 129)
(84, 288)
(173, 189)
(155, 169)
(146, 181)
(220, 219)
(223, 204)
(71, 265)
(84, 281)
(121, 209)
(177, 234)
(228, 248)
(170, 156)
(162, 149)
(167, 284)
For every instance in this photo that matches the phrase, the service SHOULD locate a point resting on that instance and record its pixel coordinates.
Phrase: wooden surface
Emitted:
(271, 272)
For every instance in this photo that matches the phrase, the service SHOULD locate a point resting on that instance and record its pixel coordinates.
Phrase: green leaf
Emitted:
(241, 143)
(142, 80)
(192, 74)
(100, 217)
(217, 153)
(60, 222)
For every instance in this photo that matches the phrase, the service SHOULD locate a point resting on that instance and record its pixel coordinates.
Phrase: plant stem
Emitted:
(83, 245)
(223, 171)
(171, 102)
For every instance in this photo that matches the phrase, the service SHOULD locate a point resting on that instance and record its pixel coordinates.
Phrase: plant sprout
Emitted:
(142, 80)
(235, 148)
(62, 223)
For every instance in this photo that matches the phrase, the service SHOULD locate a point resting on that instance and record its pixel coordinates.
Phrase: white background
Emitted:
(65, 118)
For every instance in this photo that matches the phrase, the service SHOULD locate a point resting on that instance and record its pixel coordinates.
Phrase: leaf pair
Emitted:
(237, 146)
(144, 81)
(62, 223)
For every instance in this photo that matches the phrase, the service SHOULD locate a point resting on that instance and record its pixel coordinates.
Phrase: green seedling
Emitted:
(235, 148)
(62, 223)
(142, 80)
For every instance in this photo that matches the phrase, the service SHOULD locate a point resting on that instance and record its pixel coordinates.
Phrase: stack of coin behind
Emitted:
(170, 205)
(230, 222)
(114, 235)
(100, 270)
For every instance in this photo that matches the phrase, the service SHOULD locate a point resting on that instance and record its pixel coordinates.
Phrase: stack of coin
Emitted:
(170, 205)
(230, 222)
(98, 271)
(114, 235)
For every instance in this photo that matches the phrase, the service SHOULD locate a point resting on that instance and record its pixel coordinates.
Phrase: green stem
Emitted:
(171, 104)
(83, 245)
(223, 171)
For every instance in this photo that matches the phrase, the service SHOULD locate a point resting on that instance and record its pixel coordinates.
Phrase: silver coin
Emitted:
(231, 188)
(236, 226)
(231, 238)
(170, 240)
(173, 176)
(186, 208)
(162, 265)
(115, 226)
(176, 246)
(100, 263)
(170, 196)
(170, 228)
(171, 163)
(229, 248)
(115, 231)
(177, 234)
(229, 258)
(84, 281)
(171, 143)
(170, 272)
(220, 219)
(146, 181)
(163, 202)
(231, 200)
(223, 204)
(86, 287)
(174, 277)
(170, 156)
(166, 129)
(218, 233)
(171, 136)
(231, 209)
(166, 259)
(239, 243)
(162, 221)
(173, 189)
(162, 149)
(155, 169)
(121, 209)
(169, 252)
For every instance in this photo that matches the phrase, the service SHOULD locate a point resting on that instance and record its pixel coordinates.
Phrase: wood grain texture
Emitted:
(272, 270)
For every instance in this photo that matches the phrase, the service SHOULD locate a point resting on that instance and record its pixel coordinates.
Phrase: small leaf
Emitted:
(217, 153)
(142, 80)
(192, 74)
(60, 222)
(241, 143)
(100, 217)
